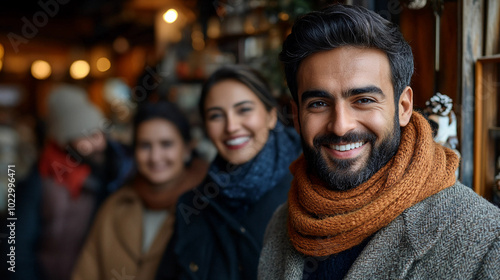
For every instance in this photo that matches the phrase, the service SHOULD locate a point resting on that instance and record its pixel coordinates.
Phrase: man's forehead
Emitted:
(354, 56)
(351, 65)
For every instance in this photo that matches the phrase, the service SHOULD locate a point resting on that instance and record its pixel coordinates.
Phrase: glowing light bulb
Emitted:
(41, 69)
(283, 16)
(103, 64)
(79, 69)
(170, 16)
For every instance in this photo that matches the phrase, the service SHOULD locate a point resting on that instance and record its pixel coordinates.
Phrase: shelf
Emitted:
(486, 129)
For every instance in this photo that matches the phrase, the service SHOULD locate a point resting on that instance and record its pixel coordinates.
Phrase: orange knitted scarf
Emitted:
(323, 222)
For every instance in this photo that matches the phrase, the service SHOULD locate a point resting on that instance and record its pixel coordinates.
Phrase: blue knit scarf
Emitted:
(242, 185)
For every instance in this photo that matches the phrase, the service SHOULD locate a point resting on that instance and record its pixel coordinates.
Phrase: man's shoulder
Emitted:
(455, 211)
(279, 218)
(279, 259)
(458, 201)
(276, 231)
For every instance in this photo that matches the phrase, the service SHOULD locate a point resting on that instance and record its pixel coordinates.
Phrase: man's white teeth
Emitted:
(347, 147)
(237, 141)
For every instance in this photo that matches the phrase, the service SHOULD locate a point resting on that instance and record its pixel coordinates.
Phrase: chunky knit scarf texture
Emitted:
(323, 222)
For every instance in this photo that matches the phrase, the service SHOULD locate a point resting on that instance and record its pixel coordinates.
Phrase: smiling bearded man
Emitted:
(373, 196)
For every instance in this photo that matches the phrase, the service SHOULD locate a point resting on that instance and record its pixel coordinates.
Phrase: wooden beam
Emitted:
(471, 15)
(486, 110)
(492, 29)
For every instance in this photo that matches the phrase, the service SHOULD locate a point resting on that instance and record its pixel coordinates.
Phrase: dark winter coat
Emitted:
(212, 242)
(454, 234)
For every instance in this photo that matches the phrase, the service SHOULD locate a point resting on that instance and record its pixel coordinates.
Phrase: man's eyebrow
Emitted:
(350, 92)
(312, 94)
(361, 90)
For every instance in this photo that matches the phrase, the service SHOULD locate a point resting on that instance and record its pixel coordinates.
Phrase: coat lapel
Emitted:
(128, 225)
(394, 249)
(388, 255)
(163, 235)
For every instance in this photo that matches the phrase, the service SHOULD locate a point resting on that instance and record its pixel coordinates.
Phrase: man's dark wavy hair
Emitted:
(342, 25)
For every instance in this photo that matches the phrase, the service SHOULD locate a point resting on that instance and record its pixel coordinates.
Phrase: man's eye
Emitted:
(364, 101)
(316, 104)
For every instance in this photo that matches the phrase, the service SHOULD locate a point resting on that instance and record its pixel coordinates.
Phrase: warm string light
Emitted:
(283, 16)
(40, 69)
(170, 16)
(79, 69)
(103, 64)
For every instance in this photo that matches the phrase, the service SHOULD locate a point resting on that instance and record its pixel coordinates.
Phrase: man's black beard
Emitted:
(341, 178)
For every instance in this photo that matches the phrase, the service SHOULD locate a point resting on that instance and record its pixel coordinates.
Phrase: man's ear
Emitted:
(405, 106)
(295, 112)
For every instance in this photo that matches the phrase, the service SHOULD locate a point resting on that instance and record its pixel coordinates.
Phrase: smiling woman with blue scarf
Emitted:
(220, 225)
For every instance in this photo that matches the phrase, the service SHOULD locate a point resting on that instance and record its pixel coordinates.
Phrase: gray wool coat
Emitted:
(454, 234)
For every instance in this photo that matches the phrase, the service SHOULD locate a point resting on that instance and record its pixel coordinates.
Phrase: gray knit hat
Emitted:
(71, 115)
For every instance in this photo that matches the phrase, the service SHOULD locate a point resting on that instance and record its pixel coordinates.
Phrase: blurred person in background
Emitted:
(220, 224)
(135, 224)
(78, 168)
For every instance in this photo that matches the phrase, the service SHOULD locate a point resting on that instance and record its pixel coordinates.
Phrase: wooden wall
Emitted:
(418, 28)
(471, 48)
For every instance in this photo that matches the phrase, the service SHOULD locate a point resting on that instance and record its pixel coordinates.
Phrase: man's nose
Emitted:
(342, 120)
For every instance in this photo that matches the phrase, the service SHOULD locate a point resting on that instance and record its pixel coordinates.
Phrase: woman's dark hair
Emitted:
(162, 110)
(245, 75)
(342, 25)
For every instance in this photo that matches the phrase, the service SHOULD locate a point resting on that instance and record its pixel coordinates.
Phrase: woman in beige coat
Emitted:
(135, 224)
